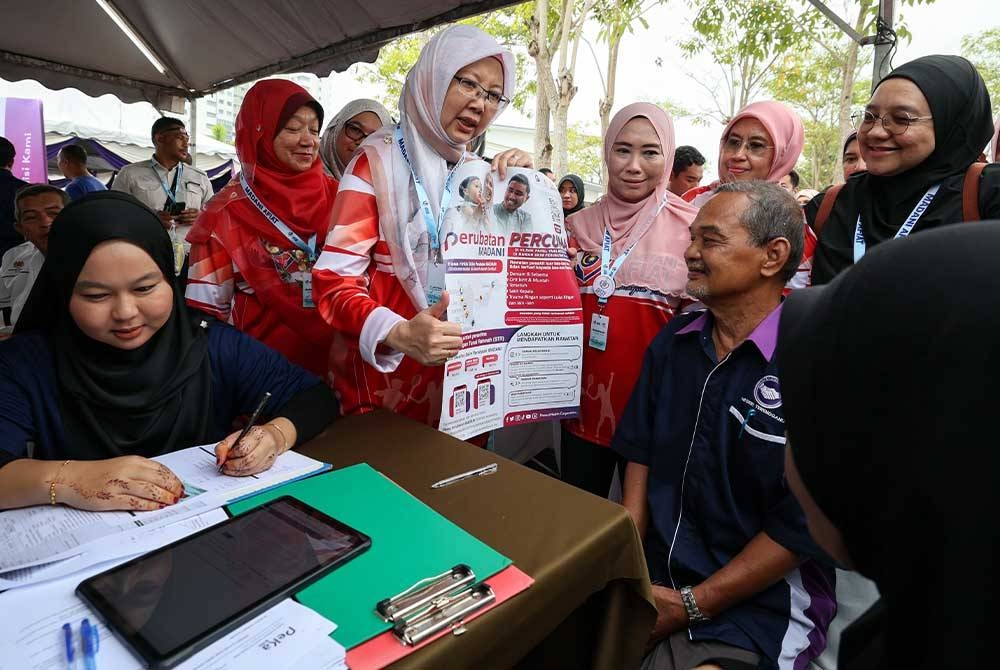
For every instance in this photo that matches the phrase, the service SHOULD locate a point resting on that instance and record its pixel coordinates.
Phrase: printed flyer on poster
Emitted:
(511, 287)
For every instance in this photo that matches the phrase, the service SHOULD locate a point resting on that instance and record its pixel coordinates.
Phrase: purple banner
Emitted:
(21, 123)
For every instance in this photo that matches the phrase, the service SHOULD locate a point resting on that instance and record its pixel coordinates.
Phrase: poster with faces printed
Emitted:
(512, 289)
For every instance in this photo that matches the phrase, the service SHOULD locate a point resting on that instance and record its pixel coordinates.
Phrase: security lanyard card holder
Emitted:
(434, 604)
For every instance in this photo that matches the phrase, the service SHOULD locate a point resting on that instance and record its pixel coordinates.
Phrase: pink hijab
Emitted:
(657, 261)
(785, 129)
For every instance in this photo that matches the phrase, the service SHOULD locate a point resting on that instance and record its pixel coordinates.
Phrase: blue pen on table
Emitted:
(70, 647)
(250, 423)
(91, 643)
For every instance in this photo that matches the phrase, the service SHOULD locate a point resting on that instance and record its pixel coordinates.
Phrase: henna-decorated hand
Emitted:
(254, 454)
(123, 483)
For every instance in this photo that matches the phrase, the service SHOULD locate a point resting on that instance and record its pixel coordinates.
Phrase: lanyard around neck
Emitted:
(432, 222)
(608, 269)
(860, 246)
(171, 192)
(309, 249)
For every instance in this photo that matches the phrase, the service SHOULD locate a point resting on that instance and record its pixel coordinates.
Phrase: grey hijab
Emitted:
(328, 145)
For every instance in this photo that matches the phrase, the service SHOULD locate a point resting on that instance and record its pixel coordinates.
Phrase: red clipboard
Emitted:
(385, 649)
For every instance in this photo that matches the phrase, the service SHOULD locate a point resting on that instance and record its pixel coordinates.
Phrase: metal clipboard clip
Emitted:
(450, 615)
(429, 592)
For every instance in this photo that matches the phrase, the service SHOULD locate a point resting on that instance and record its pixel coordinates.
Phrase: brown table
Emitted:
(591, 604)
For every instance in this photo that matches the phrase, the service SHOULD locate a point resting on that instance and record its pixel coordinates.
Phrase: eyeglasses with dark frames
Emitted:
(474, 89)
(354, 131)
(894, 124)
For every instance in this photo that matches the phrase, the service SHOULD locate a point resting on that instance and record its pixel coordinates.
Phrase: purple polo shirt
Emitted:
(713, 434)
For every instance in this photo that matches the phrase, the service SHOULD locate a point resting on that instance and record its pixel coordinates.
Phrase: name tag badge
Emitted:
(599, 331)
(307, 290)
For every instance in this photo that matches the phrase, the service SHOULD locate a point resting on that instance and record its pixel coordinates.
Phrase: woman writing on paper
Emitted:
(378, 282)
(631, 292)
(253, 249)
(108, 368)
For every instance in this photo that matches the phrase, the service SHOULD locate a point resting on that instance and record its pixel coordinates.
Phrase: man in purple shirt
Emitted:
(729, 554)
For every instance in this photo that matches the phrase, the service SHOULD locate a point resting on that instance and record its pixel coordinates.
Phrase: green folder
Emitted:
(410, 541)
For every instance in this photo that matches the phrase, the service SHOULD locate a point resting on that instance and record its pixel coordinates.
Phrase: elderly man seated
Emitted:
(704, 433)
(35, 207)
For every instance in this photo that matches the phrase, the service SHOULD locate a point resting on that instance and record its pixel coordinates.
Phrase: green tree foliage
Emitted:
(745, 39)
(810, 81)
(219, 132)
(983, 49)
(585, 153)
(508, 26)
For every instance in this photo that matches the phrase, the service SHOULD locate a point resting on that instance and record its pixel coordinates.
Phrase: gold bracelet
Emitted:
(284, 439)
(52, 484)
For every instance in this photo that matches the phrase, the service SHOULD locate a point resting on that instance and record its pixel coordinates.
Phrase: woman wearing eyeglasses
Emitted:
(924, 126)
(347, 130)
(378, 281)
(763, 141)
(253, 249)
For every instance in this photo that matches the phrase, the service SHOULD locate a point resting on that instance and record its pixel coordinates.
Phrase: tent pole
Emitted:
(193, 132)
(885, 41)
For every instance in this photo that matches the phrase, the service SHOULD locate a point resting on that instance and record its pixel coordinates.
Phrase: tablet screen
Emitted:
(163, 601)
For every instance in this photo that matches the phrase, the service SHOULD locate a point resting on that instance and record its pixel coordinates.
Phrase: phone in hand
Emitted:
(175, 208)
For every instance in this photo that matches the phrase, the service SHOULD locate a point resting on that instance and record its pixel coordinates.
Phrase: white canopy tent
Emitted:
(203, 45)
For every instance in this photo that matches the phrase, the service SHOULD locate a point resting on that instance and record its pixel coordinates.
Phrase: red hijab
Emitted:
(302, 200)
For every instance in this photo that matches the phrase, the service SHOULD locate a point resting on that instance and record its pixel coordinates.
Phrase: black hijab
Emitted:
(963, 124)
(148, 401)
(891, 413)
(580, 193)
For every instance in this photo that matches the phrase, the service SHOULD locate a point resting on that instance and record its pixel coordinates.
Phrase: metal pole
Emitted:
(193, 132)
(884, 40)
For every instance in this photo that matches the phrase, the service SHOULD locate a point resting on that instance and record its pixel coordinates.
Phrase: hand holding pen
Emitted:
(255, 448)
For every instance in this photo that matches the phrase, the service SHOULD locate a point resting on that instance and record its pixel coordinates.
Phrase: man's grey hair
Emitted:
(31, 190)
(772, 213)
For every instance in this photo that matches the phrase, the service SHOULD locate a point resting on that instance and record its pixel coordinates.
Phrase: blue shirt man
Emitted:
(73, 165)
(726, 543)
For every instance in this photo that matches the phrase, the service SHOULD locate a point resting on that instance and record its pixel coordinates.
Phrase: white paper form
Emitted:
(33, 639)
(286, 635)
(42, 534)
(125, 545)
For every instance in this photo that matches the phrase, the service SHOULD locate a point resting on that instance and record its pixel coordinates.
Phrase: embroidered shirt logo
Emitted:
(767, 392)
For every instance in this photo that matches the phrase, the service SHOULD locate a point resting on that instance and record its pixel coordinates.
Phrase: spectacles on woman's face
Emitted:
(354, 131)
(755, 147)
(474, 89)
(894, 124)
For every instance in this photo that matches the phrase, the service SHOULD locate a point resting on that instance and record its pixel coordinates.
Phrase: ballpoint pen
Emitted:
(250, 424)
(70, 647)
(91, 643)
(478, 472)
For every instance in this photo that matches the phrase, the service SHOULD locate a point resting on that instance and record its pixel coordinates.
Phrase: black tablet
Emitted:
(172, 602)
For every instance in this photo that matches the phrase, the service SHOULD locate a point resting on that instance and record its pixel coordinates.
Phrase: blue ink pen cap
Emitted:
(68, 639)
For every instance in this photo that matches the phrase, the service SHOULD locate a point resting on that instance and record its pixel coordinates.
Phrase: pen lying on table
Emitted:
(478, 472)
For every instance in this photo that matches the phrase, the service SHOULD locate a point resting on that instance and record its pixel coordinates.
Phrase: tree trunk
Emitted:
(847, 89)
(538, 49)
(608, 102)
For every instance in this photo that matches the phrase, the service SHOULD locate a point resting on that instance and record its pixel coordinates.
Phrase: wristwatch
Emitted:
(695, 615)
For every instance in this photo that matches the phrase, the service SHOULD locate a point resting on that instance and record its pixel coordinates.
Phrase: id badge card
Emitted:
(599, 331)
(435, 282)
(307, 290)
